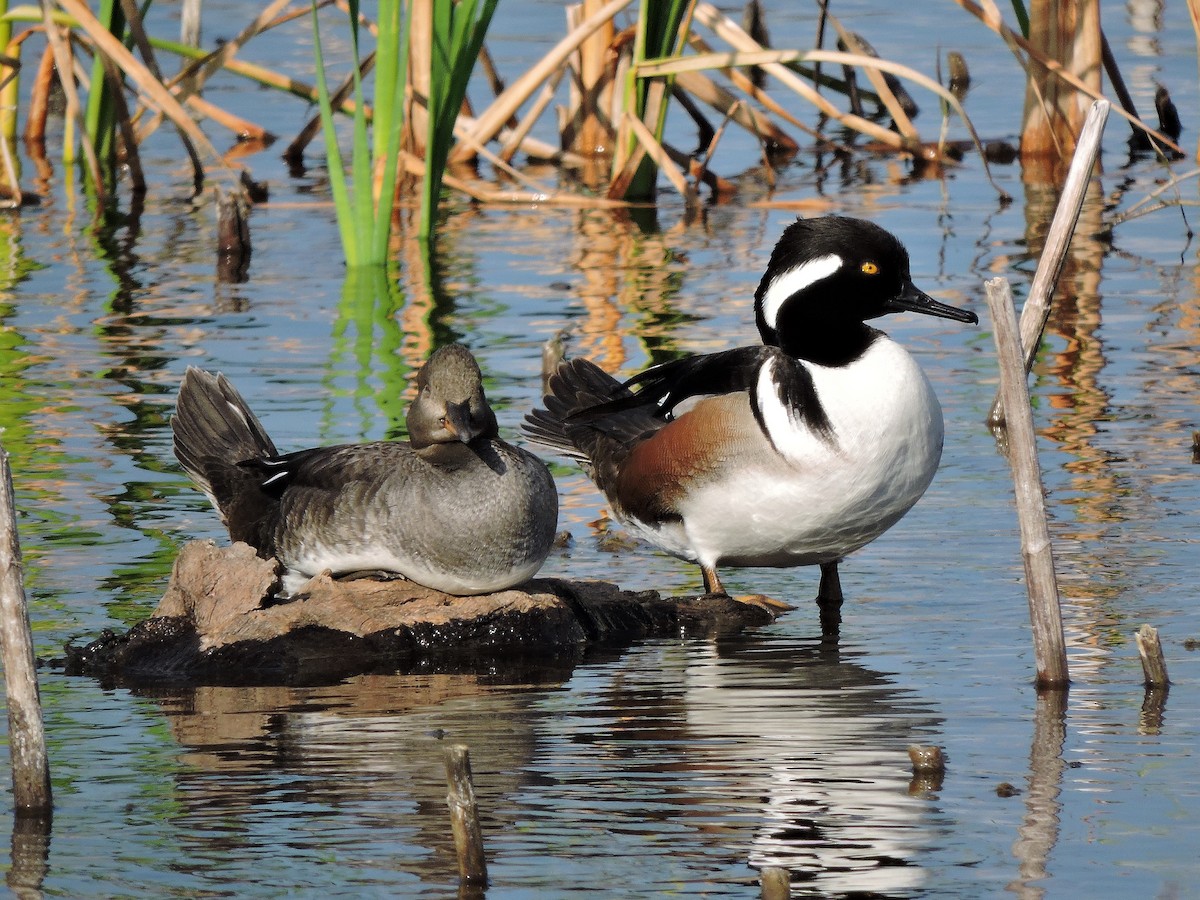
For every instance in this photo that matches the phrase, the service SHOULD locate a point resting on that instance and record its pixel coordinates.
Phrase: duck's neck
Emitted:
(829, 346)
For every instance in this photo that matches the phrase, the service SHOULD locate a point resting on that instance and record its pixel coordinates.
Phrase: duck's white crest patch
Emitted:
(796, 279)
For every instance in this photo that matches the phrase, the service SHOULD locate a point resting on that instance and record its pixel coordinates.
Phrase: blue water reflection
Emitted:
(678, 767)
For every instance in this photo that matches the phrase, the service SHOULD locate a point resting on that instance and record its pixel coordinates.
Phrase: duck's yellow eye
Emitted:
(869, 268)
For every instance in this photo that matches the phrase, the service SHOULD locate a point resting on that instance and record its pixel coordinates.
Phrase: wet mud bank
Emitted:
(218, 622)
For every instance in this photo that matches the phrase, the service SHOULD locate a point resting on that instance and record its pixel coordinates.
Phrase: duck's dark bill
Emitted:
(913, 299)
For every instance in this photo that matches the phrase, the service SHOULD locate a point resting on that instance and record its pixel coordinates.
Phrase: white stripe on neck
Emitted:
(779, 419)
(795, 280)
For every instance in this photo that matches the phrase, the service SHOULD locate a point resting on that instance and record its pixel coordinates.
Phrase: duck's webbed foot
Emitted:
(713, 586)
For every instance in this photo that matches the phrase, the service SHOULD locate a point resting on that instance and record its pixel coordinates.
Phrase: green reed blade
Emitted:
(458, 33)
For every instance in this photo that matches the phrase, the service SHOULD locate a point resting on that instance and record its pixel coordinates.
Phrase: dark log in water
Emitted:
(219, 623)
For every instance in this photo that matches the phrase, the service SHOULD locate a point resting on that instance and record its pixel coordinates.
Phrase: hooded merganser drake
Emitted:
(796, 452)
(455, 508)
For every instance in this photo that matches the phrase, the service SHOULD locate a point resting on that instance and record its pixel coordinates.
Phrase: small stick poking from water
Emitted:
(776, 883)
(927, 760)
(464, 816)
(26, 732)
(1044, 612)
(1154, 665)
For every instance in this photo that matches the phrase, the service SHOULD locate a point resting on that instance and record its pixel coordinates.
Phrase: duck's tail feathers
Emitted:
(214, 431)
(587, 411)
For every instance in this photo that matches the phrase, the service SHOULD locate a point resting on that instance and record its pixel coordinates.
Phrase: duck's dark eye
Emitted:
(869, 268)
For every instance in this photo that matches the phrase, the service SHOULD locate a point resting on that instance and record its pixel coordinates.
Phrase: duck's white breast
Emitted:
(820, 497)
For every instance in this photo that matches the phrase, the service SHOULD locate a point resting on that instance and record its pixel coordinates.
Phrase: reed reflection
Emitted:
(1038, 834)
(30, 860)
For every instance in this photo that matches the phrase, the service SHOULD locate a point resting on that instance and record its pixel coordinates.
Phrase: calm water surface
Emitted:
(678, 767)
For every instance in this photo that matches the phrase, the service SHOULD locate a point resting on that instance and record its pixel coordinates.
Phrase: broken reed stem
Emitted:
(26, 732)
(1040, 581)
(464, 816)
(1154, 664)
(776, 883)
(1037, 306)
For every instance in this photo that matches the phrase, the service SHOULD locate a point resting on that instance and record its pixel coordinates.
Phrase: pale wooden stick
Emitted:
(1042, 586)
(1154, 664)
(725, 28)
(776, 883)
(26, 733)
(496, 116)
(464, 816)
(1037, 306)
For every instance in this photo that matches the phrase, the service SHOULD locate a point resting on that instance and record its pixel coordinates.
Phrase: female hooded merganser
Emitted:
(793, 453)
(455, 508)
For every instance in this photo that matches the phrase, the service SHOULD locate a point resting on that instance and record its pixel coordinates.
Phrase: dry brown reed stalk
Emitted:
(592, 133)
(661, 158)
(243, 128)
(1154, 663)
(1037, 552)
(224, 54)
(153, 88)
(750, 50)
(64, 61)
(500, 164)
(493, 119)
(1058, 241)
(1146, 205)
(415, 166)
(532, 147)
(512, 142)
(39, 97)
(32, 792)
(991, 18)
(708, 91)
(295, 149)
(1070, 34)
(416, 85)
(745, 83)
(886, 96)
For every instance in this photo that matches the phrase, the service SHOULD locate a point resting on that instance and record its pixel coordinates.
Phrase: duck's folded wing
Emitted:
(667, 385)
(327, 468)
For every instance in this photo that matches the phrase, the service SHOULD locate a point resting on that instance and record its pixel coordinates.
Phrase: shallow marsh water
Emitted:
(679, 766)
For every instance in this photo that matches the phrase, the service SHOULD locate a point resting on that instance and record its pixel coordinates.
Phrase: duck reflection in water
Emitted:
(692, 760)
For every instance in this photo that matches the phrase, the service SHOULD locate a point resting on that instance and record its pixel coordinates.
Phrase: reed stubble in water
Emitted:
(464, 816)
(26, 733)
(1154, 664)
(1040, 580)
